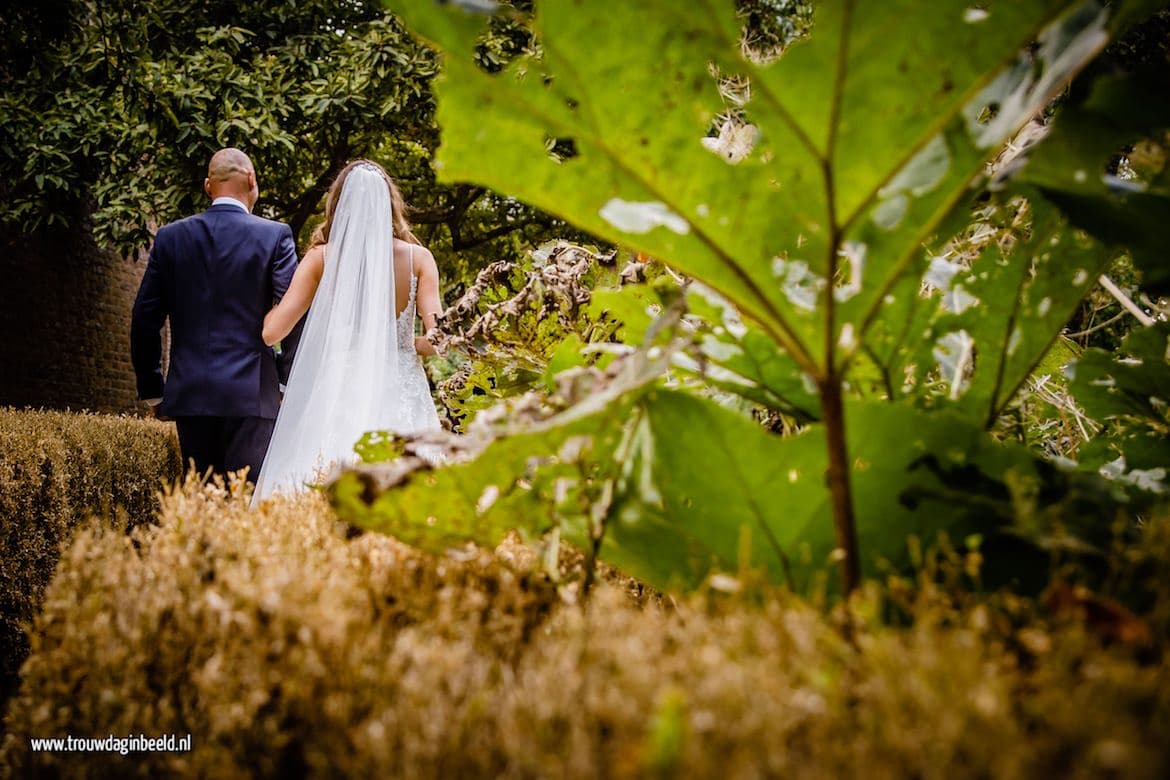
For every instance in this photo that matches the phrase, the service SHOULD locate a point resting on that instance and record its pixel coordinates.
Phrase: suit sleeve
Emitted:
(284, 263)
(151, 308)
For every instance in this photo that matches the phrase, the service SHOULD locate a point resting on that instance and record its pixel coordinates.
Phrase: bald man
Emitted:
(216, 275)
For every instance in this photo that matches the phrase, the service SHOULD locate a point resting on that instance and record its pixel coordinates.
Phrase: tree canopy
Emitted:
(111, 110)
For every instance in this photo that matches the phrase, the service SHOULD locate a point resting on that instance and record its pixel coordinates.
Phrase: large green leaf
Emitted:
(686, 487)
(867, 135)
(478, 500)
(806, 214)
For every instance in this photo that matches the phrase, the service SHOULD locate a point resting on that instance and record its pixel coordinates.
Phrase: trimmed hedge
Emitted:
(56, 470)
(288, 649)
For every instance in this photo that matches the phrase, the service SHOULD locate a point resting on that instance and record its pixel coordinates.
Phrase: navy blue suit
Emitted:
(215, 275)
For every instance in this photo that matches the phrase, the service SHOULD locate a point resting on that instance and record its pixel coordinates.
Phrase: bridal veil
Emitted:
(346, 366)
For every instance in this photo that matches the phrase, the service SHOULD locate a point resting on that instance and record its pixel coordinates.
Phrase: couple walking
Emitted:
(232, 287)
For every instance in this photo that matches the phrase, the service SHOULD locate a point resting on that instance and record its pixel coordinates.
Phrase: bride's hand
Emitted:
(423, 346)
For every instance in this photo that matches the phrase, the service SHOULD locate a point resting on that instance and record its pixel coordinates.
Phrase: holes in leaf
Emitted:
(922, 174)
(975, 14)
(734, 142)
(955, 355)
(850, 269)
(800, 284)
(989, 112)
(485, 7)
(1022, 89)
(561, 149)
(507, 37)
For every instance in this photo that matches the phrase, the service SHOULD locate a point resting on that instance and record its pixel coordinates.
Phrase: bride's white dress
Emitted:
(414, 392)
(356, 369)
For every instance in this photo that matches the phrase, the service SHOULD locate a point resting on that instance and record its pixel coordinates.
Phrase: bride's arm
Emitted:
(288, 312)
(429, 303)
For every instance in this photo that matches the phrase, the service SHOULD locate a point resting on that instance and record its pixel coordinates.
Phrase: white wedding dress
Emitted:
(356, 369)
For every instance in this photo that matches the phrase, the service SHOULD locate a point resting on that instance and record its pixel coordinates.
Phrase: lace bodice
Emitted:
(405, 322)
(416, 410)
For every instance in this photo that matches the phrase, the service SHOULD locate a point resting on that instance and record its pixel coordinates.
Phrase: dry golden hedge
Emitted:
(287, 649)
(56, 470)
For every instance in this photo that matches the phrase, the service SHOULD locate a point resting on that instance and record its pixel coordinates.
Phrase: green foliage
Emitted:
(377, 447)
(1127, 391)
(807, 216)
(125, 108)
(738, 357)
(521, 322)
(112, 109)
(989, 317)
(1108, 113)
(1102, 321)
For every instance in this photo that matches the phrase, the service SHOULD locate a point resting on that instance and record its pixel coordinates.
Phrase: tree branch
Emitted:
(1125, 301)
(459, 243)
(308, 200)
(455, 206)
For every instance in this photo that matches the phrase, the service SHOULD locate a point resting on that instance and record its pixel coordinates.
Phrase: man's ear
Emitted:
(207, 187)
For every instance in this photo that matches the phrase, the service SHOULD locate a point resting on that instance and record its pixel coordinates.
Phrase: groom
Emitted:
(216, 275)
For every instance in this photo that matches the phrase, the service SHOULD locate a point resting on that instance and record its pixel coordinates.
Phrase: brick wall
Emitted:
(65, 323)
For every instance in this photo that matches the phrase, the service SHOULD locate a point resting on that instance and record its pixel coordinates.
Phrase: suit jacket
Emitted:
(216, 275)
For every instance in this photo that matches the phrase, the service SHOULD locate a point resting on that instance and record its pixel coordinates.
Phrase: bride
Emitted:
(357, 368)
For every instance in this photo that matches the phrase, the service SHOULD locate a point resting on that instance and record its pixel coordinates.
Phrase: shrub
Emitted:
(57, 469)
(287, 648)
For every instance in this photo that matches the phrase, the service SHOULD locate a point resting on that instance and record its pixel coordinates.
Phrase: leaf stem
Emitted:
(831, 381)
(1125, 300)
(840, 491)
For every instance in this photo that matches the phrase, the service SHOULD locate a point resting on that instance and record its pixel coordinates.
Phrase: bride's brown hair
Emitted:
(397, 204)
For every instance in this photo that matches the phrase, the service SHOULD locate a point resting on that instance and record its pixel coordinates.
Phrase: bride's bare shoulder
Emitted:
(314, 258)
(419, 251)
(405, 249)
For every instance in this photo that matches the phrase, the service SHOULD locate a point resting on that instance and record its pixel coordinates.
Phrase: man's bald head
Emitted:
(230, 173)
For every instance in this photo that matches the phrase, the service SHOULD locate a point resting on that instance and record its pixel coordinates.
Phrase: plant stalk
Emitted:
(840, 490)
(1125, 301)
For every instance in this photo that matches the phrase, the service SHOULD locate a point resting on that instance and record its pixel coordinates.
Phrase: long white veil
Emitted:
(348, 360)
